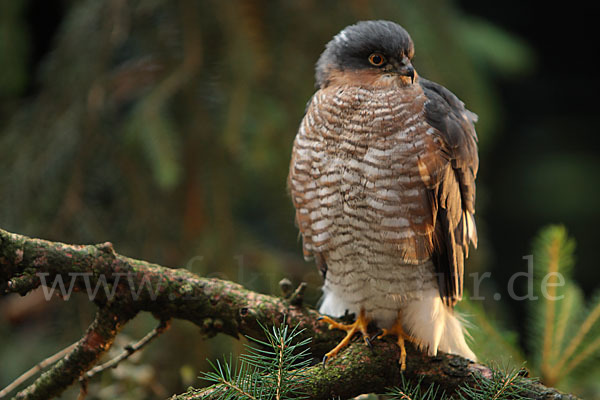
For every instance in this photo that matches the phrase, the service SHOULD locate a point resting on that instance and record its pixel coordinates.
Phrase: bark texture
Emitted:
(121, 287)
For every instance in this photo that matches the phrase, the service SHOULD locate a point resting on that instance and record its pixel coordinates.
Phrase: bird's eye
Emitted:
(376, 59)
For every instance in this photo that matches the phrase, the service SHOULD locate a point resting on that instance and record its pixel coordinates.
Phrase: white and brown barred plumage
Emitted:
(382, 178)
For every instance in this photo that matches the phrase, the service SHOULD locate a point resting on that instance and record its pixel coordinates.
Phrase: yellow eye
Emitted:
(377, 59)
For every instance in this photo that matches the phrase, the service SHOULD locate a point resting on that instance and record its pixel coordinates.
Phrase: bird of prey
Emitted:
(382, 178)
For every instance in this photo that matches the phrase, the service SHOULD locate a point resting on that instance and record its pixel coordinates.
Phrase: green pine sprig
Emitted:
(503, 385)
(414, 391)
(564, 334)
(273, 368)
(563, 346)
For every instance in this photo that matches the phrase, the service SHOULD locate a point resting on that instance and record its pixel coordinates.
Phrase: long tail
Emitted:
(435, 326)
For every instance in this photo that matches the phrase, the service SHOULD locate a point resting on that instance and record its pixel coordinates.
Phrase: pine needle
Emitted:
(490, 332)
(589, 350)
(567, 310)
(273, 368)
(502, 386)
(587, 325)
(409, 391)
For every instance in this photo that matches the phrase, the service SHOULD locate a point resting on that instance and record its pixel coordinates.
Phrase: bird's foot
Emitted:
(397, 330)
(360, 325)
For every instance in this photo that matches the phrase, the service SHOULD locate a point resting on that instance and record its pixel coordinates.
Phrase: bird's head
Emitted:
(375, 53)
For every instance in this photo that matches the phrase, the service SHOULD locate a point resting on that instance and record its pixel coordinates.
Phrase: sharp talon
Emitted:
(358, 326)
(378, 335)
(368, 342)
(324, 360)
(320, 318)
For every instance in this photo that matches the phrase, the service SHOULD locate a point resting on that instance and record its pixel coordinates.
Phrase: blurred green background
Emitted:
(166, 128)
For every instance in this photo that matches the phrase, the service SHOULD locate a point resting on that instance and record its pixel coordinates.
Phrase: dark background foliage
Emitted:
(166, 128)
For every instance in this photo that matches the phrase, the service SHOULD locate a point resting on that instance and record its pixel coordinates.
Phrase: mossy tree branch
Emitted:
(121, 287)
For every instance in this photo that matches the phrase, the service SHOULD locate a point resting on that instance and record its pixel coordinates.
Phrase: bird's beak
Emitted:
(407, 70)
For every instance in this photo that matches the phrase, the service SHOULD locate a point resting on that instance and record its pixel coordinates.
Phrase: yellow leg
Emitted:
(360, 325)
(397, 330)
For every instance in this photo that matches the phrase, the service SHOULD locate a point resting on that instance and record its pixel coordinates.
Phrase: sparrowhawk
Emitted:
(382, 177)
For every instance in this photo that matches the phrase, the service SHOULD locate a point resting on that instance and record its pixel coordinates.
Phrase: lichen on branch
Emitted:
(122, 287)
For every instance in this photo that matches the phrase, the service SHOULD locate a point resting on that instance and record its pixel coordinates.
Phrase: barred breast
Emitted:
(357, 182)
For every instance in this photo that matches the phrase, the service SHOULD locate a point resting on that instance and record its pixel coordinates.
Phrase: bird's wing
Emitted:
(449, 171)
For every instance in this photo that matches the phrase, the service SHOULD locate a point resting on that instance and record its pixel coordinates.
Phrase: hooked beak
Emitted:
(407, 70)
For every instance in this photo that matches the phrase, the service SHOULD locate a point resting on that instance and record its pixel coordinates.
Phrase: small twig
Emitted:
(280, 369)
(35, 369)
(285, 285)
(129, 350)
(404, 396)
(548, 339)
(22, 284)
(297, 298)
(235, 387)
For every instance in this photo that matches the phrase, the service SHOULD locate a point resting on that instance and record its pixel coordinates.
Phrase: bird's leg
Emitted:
(360, 325)
(398, 331)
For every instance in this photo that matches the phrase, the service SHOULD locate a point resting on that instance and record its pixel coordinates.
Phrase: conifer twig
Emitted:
(280, 368)
(238, 389)
(554, 255)
(588, 351)
(580, 336)
(561, 326)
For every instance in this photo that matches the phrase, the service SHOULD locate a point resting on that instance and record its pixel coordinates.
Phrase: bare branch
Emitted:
(121, 287)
